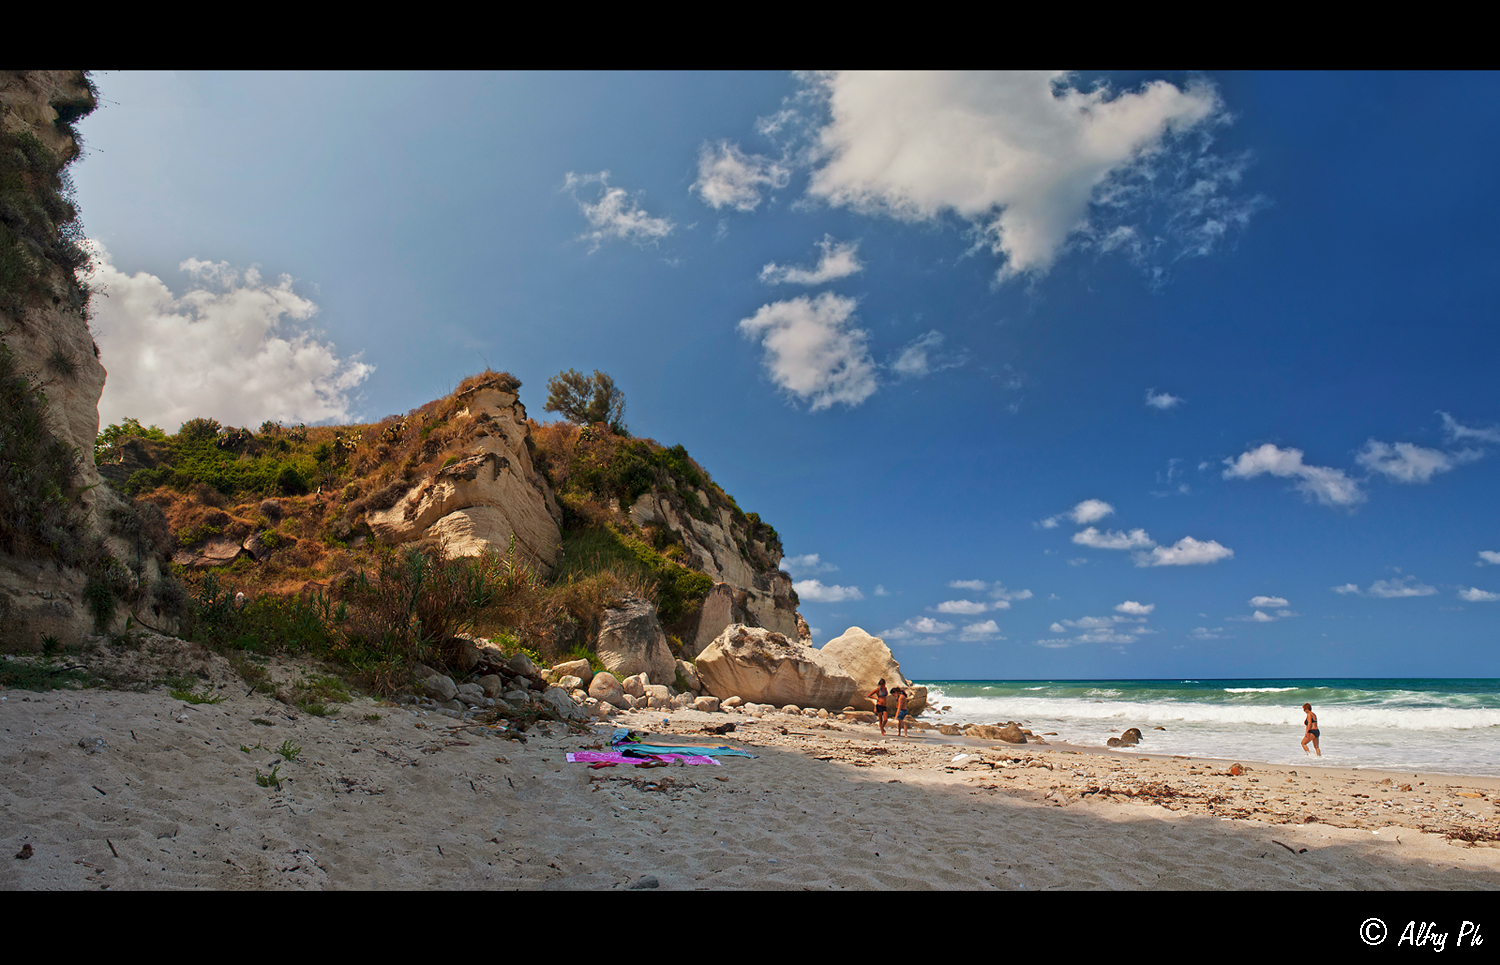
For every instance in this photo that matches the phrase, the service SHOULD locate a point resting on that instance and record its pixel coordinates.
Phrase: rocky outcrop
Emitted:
(868, 660)
(751, 589)
(486, 497)
(763, 666)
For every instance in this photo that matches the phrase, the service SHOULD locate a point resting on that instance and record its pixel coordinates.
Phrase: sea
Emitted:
(1406, 725)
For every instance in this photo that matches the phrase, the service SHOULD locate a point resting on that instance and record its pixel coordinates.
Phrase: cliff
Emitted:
(74, 556)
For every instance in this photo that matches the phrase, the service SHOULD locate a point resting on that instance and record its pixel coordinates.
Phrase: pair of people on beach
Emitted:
(879, 695)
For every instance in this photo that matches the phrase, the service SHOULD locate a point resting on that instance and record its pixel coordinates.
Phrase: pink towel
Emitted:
(615, 757)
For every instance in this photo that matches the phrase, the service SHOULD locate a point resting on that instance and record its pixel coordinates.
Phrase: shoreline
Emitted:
(137, 790)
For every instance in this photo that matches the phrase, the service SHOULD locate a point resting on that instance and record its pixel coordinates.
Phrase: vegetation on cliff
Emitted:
(321, 582)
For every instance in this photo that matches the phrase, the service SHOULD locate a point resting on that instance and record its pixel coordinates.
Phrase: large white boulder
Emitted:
(766, 667)
(631, 641)
(868, 660)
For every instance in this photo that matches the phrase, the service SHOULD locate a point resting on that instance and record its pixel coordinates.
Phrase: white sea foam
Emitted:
(1391, 734)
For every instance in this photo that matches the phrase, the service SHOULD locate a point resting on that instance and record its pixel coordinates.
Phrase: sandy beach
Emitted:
(117, 790)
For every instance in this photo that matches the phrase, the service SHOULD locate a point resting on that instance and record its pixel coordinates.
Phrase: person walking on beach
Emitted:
(878, 695)
(1312, 730)
(901, 724)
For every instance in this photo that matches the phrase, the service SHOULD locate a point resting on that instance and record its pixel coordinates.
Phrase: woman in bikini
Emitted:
(878, 695)
(1312, 730)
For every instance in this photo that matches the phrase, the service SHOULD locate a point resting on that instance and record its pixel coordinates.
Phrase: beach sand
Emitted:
(137, 790)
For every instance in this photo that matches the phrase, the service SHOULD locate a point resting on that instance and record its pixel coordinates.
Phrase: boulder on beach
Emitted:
(631, 641)
(868, 660)
(766, 667)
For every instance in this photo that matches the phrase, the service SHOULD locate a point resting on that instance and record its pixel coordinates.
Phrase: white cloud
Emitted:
(615, 215)
(1001, 593)
(1090, 511)
(839, 260)
(1186, 552)
(1400, 587)
(924, 356)
(1267, 601)
(1135, 609)
(1331, 487)
(1488, 556)
(880, 590)
(1455, 431)
(1475, 595)
(1021, 156)
(812, 591)
(1115, 540)
(915, 627)
(728, 177)
(234, 346)
(813, 352)
(1161, 400)
(968, 607)
(805, 564)
(976, 585)
(980, 631)
(1347, 589)
(1204, 633)
(1260, 617)
(1404, 462)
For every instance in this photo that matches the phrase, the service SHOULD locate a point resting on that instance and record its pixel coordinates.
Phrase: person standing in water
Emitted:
(1312, 730)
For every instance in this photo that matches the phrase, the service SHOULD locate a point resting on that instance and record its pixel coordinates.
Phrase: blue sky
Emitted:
(1069, 375)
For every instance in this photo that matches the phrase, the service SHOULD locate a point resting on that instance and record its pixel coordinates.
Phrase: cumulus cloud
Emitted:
(1407, 463)
(839, 260)
(980, 631)
(813, 351)
(233, 345)
(1400, 587)
(1185, 552)
(1475, 595)
(1204, 633)
(924, 355)
(1021, 156)
(728, 177)
(999, 592)
(1348, 589)
(805, 564)
(813, 591)
(1331, 487)
(1114, 540)
(917, 627)
(1268, 601)
(969, 607)
(1488, 556)
(1135, 609)
(976, 585)
(1088, 511)
(615, 215)
(1455, 431)
(1161, 400)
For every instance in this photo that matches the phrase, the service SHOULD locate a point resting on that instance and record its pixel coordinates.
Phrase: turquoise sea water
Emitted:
(1416, 725)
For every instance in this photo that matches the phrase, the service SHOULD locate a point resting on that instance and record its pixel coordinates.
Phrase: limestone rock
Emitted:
(606, 688)
(488, 496)
(573, 668)
(763, 666)
(631, 641)
(868, 660)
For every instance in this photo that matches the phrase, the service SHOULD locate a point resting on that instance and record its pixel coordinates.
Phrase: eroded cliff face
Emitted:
(750, 587)
(489, 494)
(64, 580)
